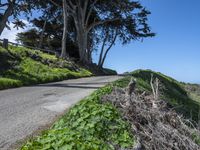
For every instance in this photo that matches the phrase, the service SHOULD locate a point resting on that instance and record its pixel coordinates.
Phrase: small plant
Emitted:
(88, 125)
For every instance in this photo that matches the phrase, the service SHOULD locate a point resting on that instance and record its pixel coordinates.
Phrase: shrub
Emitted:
(7, 83)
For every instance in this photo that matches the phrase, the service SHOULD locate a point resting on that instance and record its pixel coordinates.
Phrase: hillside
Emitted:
(20, 66)
(172, 91)
(155, 123)
(193, 91)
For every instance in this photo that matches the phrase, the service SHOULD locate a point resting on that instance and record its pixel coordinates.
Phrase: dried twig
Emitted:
(155, 129)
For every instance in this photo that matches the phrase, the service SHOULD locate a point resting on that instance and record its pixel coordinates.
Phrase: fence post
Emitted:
(5, 43)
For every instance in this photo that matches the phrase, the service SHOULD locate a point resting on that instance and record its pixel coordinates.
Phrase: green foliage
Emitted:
(29, 38)
(109, 71)
(20, 69)
(122, 83)
(7, 83)
(196, 138)
(89, 125)
(173, 92)
(193, 91)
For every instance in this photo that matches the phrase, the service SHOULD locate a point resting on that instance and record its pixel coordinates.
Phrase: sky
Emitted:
(175, 51)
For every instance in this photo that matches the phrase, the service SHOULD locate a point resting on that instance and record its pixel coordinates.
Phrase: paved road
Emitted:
(28, 109)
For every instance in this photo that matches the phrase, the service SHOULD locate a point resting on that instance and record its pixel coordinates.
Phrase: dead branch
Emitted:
(154, 129)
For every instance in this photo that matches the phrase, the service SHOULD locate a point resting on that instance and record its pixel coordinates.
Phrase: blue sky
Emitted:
(175, 50)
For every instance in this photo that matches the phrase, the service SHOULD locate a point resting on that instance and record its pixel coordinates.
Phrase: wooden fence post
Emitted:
(5, 43)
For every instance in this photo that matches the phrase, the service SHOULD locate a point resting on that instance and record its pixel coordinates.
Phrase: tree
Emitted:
(64, 38)
(109, 41)
(29, 38)
(52, 35)
(90, 14)
(42, 33)
(89, 23)
(49, 22)
(132, 27)
(65, 25)
(81, 11)
(14, 8)
(43, 29)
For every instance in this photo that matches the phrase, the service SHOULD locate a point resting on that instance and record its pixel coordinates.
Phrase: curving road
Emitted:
(23, 111)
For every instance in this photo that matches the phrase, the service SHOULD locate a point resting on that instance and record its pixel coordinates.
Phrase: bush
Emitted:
(7, 83)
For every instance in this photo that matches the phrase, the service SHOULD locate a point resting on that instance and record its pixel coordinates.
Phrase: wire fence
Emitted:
(5, 43)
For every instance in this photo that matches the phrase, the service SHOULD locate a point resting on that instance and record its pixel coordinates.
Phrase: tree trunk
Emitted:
(89, 56)
(42, 34)
(102, 60)
(89, 49)
(102, 51)
(64, 38)
(6, 15)
(79, 14)
(82, 43)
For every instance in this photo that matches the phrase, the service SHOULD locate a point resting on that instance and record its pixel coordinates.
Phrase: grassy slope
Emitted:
(88, 125)
(173, 92)
(193, 91)
(20, 66)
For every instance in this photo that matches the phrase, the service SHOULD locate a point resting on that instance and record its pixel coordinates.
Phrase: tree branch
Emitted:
(100, 23)
(113, 42)
(90, 12)
(56, 4)
(102, 50)
(71, 7)
(2, 5)
(71, 4)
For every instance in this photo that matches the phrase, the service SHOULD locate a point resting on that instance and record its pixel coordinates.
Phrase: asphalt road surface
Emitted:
(25, 110)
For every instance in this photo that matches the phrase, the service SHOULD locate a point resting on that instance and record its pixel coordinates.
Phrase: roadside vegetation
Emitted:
(90, 124)
(21, 66)
(193, 91)
(171, 91)
(154, 121)
(105, 121)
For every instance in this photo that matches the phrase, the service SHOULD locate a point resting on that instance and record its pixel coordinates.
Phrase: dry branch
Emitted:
(156, 129)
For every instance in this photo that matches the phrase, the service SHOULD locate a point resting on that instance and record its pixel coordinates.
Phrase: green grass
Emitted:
(196, 138)
(89, 125)
(193, 91)
(8, 83)
(173, 92)
(19, 66)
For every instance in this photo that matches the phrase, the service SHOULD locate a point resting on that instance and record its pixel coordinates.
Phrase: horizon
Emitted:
(174, 49)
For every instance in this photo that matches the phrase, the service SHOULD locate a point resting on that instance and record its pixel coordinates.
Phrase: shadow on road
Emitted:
(93, 85)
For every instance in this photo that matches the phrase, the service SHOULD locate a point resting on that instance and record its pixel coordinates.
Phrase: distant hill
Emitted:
(184, 98)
